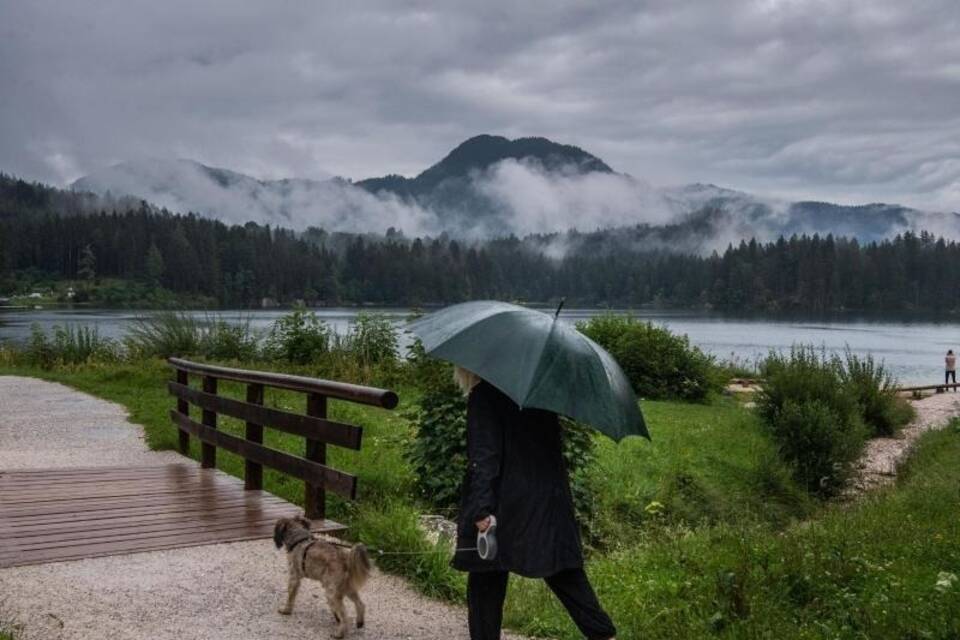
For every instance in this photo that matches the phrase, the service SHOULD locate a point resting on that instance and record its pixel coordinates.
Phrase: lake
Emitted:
(912, 349)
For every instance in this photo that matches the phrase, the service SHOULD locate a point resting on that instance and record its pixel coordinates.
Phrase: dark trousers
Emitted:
(950, 374)
(486, 592)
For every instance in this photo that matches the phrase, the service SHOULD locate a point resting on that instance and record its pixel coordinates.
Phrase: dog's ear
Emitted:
(280, 531)
(303, 520)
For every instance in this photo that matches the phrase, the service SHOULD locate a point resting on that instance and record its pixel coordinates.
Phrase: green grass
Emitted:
(701, 533)
(705, 463)
(864, 571)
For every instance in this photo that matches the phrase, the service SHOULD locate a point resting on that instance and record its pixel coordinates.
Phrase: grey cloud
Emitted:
(839, 100)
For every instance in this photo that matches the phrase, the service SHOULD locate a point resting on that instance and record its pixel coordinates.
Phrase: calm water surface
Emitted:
(912, 349)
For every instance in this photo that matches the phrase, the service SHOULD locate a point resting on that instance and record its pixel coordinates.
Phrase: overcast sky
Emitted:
(834, 100)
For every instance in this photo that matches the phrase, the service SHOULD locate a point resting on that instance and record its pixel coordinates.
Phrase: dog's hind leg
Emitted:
(292, 587)
(335, 600)
(358, 605)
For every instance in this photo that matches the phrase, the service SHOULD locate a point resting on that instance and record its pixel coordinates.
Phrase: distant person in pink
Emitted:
(951, 366)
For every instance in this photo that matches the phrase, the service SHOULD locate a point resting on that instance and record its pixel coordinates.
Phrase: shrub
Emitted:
(39, 350)
(818, 442)
(813, 416)
(299, 337)
(373, 340)
(659, 364)
(875, 391)
(438, 453)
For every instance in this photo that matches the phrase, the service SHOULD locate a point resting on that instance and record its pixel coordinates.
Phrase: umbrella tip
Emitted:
(560, 306)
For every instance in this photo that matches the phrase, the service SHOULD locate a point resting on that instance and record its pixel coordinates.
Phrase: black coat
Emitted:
(516, 472)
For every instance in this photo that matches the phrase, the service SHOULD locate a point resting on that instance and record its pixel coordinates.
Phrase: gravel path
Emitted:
(214, 592)
(878, 465)
(45, 425)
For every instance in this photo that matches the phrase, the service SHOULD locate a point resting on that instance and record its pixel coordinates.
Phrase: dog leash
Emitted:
(381, 552)
(486, 545)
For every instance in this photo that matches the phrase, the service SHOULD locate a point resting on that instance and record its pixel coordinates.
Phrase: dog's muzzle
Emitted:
(487, 541)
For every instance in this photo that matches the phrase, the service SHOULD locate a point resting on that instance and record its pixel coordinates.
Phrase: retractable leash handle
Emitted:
(487, 541)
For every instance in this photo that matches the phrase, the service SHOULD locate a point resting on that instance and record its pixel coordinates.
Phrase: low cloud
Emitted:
(838, 100)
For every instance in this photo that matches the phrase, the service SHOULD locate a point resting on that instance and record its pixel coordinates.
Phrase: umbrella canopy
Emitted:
(537, 360)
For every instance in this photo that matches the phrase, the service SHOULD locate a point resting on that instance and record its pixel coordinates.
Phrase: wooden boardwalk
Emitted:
(50, 515)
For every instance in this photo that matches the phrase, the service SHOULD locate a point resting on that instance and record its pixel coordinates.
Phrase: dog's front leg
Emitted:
(293, 585)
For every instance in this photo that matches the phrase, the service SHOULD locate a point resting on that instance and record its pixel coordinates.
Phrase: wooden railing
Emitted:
(314, 426)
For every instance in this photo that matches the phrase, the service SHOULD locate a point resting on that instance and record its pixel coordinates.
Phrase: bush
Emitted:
(39, 350)
(299, 337)
(438, 453)
(819, 443)
(222, 340)
(373, 340)
(659, 364)
(813, 416)
(875, 391)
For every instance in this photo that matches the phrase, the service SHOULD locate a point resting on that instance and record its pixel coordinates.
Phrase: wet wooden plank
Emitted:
(316, 474)
(314, 427)
(84, 513)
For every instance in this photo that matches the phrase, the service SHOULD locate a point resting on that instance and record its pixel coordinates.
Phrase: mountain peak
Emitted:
(482, 151)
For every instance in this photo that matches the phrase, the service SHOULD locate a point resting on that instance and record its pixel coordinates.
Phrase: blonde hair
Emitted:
(465, 379)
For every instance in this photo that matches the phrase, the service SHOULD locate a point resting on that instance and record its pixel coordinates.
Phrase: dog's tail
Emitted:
(358, 566)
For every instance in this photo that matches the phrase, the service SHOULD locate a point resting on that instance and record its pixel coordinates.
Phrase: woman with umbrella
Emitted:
(519, 369)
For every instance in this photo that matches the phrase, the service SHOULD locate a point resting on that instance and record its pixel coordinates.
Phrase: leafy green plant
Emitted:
(222, 340)
(39, 350)
(299, 337)
(659, 364)
(875, 391)
(373, 340)
(438, 453)
(813, 416)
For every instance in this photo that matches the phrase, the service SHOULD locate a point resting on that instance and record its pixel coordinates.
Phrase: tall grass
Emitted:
(66, 345)
(174, 333)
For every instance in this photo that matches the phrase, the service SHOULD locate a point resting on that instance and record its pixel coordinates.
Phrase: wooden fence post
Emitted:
(208, 452)
(315, 499)
(253, 471)
(183, 437)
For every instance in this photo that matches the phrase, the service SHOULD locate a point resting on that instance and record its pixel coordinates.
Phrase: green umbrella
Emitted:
(537, 360)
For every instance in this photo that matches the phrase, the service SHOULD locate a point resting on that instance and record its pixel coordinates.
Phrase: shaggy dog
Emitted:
(342, 573)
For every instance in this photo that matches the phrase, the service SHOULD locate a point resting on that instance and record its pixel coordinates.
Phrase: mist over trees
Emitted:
(238, 265)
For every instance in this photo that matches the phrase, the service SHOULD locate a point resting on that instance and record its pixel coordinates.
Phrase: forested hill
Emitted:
(238, 265)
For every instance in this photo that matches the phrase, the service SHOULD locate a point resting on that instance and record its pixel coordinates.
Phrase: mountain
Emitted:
(490, 186)
(482, 152)
(185, 185)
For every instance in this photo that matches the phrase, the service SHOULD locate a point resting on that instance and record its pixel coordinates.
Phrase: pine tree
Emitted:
(87, 264)
(154, 265)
